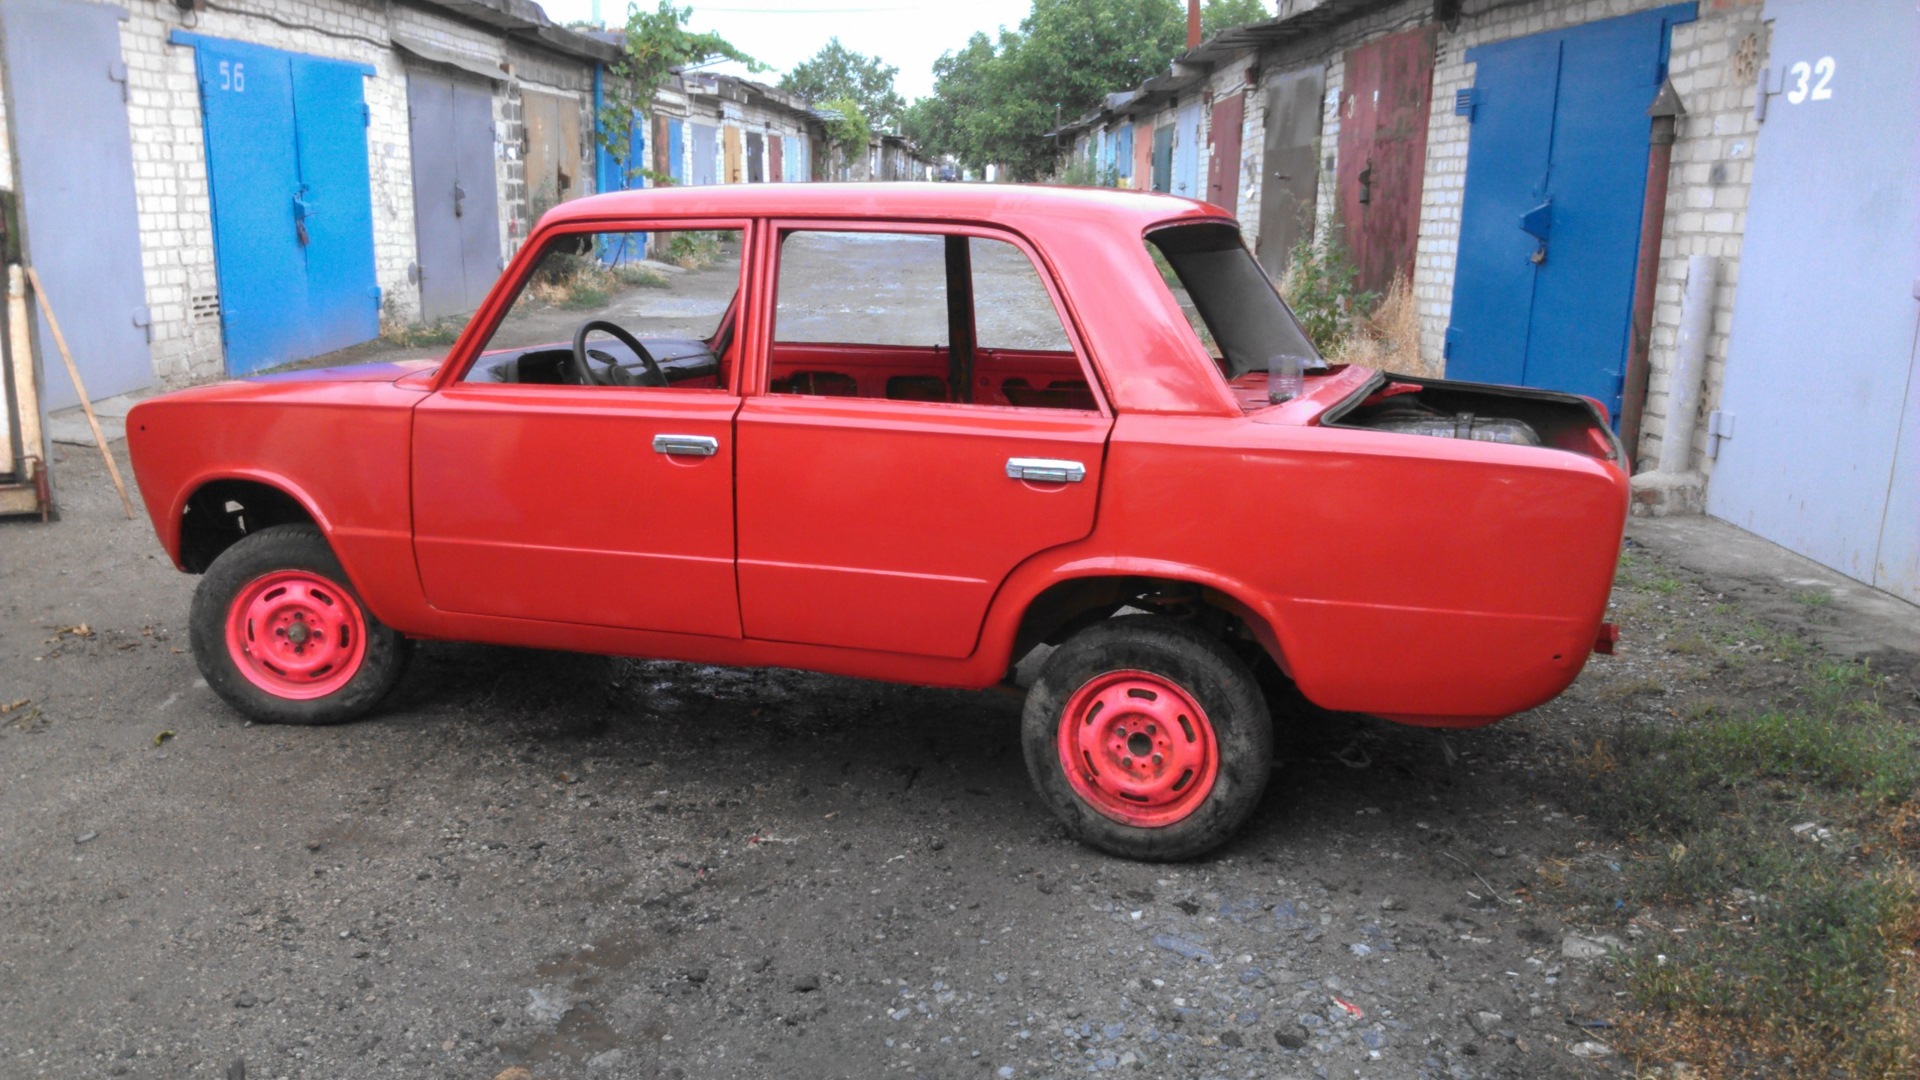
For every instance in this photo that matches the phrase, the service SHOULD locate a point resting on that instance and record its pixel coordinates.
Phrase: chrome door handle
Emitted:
(686, 445)
(1046, 470)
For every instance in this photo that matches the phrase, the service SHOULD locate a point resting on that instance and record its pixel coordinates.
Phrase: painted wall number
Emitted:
(233, 76)
(1810, 81)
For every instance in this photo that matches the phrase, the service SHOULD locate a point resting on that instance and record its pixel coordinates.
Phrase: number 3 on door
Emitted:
(1801, 75)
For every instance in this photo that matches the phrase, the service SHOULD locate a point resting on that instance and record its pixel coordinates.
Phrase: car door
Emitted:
(886, 487)
(537, 497)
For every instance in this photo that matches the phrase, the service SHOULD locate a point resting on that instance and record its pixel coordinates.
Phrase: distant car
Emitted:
(912, 433)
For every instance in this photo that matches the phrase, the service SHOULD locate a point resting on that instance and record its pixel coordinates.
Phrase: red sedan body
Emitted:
(1437, 581)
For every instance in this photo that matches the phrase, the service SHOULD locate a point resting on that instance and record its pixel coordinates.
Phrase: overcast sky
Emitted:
(909, 34)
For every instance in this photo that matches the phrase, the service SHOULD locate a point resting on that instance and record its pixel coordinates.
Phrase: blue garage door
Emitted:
(292, 203)
(1550, 228)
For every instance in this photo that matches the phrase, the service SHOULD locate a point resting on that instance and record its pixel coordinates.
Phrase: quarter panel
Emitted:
(1404, 575)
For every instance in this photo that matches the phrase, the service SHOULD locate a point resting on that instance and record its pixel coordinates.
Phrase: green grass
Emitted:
(1799, 959)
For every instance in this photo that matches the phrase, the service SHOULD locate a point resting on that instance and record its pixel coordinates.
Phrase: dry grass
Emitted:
(1388, 339)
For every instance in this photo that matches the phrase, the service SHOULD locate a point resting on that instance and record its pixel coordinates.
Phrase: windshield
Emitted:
(1233, 307)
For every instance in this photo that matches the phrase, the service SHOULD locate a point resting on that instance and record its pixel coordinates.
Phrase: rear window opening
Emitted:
(1510, 415)
(1229, 301)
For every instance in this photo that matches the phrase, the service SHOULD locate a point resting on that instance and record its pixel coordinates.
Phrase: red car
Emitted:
(908, 432)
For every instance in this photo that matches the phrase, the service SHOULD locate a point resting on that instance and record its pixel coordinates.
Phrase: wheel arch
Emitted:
(1074, 596)
(215, 512)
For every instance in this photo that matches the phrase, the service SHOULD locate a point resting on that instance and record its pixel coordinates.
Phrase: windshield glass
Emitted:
(1233, 307)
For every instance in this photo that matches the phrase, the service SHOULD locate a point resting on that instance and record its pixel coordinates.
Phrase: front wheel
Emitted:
(1149, 739)
(280, 635)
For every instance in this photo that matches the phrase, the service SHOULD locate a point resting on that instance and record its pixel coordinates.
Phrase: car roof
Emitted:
(1003, 203)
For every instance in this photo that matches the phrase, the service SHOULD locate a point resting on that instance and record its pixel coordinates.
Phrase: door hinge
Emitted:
(1446, 348)
(117, 71)
(1719, 429)
(366, 115)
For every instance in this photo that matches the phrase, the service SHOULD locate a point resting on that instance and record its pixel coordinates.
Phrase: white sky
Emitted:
(909, 34)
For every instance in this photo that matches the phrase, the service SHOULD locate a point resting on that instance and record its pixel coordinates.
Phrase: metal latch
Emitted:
(1046, 470)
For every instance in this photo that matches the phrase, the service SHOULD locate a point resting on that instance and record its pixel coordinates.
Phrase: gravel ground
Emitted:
(607, 868)
(580, 867)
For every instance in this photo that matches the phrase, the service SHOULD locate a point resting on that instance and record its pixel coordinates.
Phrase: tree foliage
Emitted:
(994, 101)
(851, 132)
(838, 73)
(656, 43)
(1218, 15)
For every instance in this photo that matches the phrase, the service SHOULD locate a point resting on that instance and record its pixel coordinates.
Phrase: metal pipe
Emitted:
(1665, 111)
(1193, 24)
(1688, 380)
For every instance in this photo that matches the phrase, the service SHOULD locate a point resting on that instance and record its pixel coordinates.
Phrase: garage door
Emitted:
(292, 207)
(456, 217)
(1550, 224)
(69, 116)
(1820, 398)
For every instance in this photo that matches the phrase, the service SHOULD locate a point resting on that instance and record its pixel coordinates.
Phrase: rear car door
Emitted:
(538, 495)
(887, 486)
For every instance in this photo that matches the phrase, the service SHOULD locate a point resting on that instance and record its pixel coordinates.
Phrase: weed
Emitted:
(694, 250)
(416, 335)
(633, 275)
(1619, 692)
(1798, 960)
(1388, 337)
(1082, 172)
(1666, 584)
(1813, 598)
(1320, 285)
(1691, 643)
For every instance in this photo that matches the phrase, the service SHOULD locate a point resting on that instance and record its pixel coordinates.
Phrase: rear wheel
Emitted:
(280, 635)
(1148, 738)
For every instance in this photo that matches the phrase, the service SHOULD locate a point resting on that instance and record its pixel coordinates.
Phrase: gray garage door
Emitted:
(66, 91)
(455, 213)
(1824, 456)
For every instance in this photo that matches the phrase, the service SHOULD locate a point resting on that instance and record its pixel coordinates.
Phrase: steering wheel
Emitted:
(653, 377)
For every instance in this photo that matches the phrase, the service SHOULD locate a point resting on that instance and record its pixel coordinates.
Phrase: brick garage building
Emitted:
(1497, 153)
(206, 84)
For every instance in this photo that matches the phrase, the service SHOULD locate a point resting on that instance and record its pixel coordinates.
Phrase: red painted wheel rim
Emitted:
(1138, 748)
(296, 635)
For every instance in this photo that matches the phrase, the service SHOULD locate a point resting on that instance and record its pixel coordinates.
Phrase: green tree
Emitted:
(837, 72)
(1218, 15)
(654, 44)
(994, 101)
(851, 133)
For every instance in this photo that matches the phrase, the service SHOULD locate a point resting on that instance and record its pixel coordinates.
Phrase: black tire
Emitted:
(1199, 666)
(288, 548)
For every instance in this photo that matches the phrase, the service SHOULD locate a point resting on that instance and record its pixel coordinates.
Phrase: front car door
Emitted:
(902, 455)
(599, 494)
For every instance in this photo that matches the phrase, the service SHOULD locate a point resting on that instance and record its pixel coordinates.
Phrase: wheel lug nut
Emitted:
(1151, 730)
(1126, 763)
(1156, 759)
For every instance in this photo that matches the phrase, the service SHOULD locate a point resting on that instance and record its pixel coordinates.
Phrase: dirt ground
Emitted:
(599, 868)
